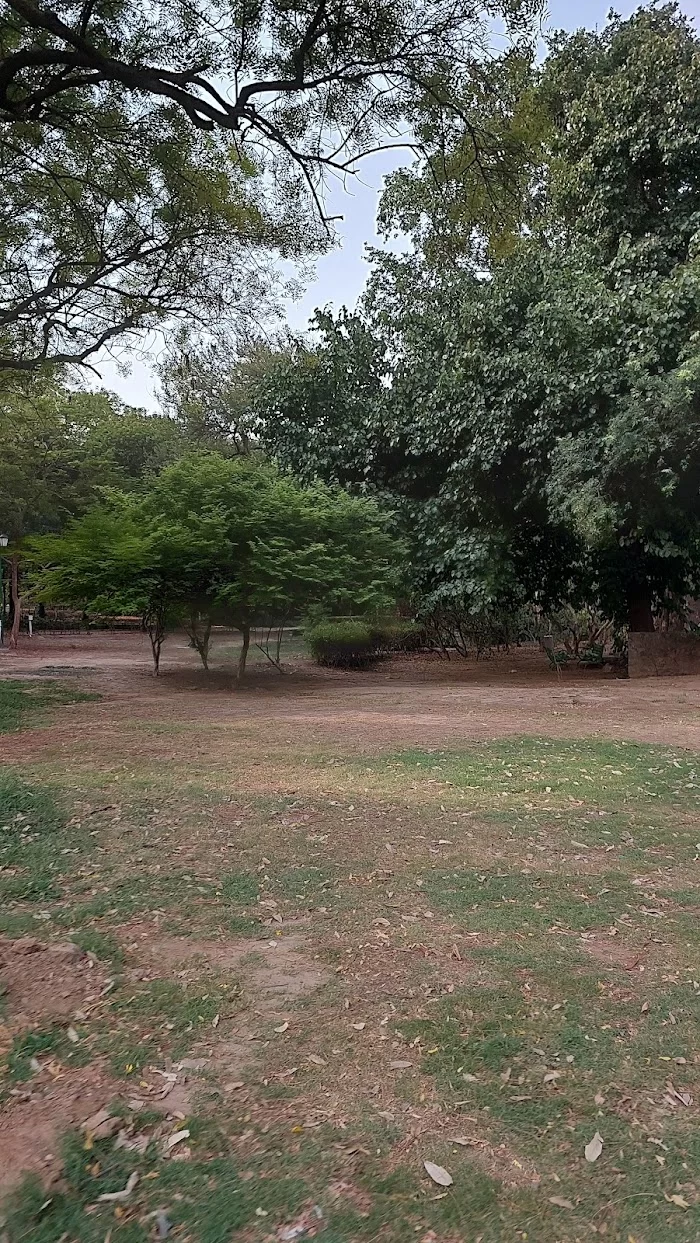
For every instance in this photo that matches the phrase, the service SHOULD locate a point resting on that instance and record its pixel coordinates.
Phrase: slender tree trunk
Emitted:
(639, 614)
(204, 645)
(200, 640)
(156, 637)
(16, 601)
(155, 625)
(245, 631)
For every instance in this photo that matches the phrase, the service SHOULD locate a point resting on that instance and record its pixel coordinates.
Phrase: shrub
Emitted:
(343, 645)
(399, 636)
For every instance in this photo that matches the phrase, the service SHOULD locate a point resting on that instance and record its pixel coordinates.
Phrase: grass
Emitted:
(517, 920)
(36, 1044)
(34, 833)
(30, 702)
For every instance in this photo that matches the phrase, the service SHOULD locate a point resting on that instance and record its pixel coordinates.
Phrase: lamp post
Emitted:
(4, 540)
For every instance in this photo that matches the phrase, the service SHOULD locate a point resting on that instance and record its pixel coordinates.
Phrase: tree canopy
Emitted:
(61, 446)
(213, 536)
(533, 408)
(154, 158)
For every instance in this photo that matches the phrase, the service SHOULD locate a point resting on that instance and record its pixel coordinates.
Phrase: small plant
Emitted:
(343, 645)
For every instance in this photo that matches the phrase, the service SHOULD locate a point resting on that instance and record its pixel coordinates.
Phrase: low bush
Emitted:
(342, 645)
(399, 636)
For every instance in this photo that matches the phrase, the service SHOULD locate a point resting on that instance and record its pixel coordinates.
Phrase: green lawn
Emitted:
(509, 943)
(27, 703)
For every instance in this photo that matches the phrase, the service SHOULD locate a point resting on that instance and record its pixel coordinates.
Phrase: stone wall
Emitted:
(663, 653)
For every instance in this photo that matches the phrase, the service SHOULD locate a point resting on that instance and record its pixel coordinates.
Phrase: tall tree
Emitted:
(536, 407)
(153, 157)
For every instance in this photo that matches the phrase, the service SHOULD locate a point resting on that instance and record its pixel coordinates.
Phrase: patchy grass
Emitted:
(38, 1043)
(28, 703)
(176, 1015)
(510, 933)
(35, 841)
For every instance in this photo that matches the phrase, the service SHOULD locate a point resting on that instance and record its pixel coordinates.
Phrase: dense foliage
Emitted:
(214, 537)
(154, 157)
(60, 446)
(533, 406)
(343, 644)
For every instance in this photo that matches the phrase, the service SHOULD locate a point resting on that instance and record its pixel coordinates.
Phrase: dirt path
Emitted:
(422, 701)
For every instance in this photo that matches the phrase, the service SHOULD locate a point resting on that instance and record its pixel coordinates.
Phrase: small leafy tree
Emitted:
(218, 538)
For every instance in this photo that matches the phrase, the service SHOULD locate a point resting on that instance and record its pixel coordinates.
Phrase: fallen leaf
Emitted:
(317, 1061)
(470, 1078)
(594, 1148)
(461, 1139)
(96, 1120)
(359, 1027)
(560, 1202)
(72, 1035)
(177, 1138)
(399, 1065)
(599, 1098)
(551, 1076)
(215, 1020)
(438, 1174)
(117, 1197)
(684, 1097)
(677, 1200)
(282, 1029)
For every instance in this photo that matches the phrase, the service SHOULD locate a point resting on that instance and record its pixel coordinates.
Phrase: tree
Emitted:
(537, 417)
(217, 537)
(210, 394)
(154, 158)
(60, 446)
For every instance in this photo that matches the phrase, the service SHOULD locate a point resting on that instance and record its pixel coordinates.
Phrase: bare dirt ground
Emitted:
(422, 701)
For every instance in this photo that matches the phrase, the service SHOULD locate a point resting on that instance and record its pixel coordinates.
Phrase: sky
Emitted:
(339, 277)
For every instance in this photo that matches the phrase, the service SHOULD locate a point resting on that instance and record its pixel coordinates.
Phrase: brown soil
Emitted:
(606, 950)
(43, 982)
(200, 724)
(275, 974)
(413, 701)
(278, 973)
(32, 1124)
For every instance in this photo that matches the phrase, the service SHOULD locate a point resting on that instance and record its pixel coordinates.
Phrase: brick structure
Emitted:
(663, 653)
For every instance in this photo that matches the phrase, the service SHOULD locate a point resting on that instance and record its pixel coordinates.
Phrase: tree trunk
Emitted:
(200, 639)
(156, 637)
(16, 602)
(245, 631)
(155, 625)
(639, 614)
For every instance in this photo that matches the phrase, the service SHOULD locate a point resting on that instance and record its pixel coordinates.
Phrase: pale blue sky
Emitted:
(341, 274)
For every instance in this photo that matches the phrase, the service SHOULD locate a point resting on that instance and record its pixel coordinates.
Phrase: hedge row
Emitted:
(358, 644)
